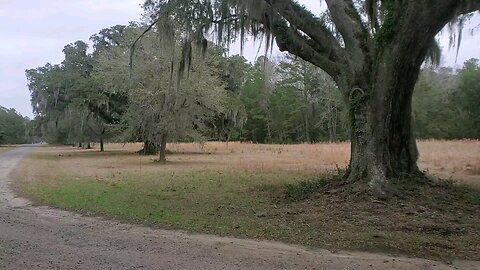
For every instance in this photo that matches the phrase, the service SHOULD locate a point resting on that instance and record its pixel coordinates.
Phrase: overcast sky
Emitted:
(34, 32)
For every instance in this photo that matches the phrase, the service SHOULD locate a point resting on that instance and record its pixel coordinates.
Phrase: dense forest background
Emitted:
(96, 97)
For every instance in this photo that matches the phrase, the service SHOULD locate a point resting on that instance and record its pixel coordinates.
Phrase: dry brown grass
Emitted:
(459, 160)
(120, 158)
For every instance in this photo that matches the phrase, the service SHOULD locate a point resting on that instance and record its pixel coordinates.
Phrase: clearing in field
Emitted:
(289, 193)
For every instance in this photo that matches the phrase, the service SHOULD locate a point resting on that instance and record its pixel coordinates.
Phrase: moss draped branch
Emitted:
(348, 22)
(293, 42)
(303, 20)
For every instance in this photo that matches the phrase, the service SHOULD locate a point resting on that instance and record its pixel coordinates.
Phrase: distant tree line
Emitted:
(290, 101)
(14, 128)
(105, 96)
(446, 103)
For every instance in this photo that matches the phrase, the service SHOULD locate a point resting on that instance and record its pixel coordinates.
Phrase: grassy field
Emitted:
(5, 148)
(268, 192)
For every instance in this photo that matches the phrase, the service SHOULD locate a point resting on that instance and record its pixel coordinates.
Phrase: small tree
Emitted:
(160, 105)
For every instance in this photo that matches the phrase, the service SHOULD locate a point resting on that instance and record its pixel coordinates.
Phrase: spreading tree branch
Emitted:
(290, 40)
(303, 20)
(348, 22)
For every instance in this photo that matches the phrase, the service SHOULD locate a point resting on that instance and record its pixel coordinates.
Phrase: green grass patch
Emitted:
(208, 201)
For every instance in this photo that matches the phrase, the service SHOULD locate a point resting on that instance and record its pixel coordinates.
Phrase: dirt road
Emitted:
(45, 238)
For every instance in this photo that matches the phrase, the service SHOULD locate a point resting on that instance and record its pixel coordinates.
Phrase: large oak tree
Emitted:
(372, 49)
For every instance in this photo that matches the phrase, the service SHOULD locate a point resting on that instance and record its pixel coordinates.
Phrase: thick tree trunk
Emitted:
(163, 147)
(381, 150)
(102, 149)
(382, 143)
